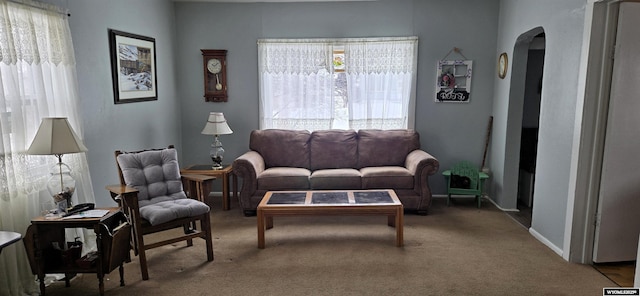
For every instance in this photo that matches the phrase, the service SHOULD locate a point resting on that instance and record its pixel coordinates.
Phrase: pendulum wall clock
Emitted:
(215, 75)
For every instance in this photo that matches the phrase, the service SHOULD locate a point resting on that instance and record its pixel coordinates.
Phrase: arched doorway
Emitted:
(525, 97)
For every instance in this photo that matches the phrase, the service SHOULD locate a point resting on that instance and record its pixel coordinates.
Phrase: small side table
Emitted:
(112, 240)
(207, 170)
(7, 238)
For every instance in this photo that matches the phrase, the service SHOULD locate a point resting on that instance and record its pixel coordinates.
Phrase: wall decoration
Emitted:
(454, 81)
(133, 67)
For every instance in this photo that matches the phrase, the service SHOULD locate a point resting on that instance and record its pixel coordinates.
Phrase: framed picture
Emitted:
(133, 67)
(454, 81)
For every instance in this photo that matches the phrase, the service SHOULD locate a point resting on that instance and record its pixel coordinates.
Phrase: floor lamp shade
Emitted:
(56, 137)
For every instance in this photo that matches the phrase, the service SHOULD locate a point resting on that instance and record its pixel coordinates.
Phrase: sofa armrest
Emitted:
(422, 165)
(248, 166)
(419, 160)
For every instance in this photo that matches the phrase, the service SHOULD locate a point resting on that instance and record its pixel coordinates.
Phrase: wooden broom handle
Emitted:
(486, 141)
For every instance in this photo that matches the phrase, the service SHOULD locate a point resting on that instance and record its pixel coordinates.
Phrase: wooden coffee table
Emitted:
(338, 202)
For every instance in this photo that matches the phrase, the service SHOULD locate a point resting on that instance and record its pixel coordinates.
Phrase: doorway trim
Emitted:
(591, 119)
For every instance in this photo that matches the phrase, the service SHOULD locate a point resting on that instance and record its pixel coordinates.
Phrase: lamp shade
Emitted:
(216, 125)
(55, 137)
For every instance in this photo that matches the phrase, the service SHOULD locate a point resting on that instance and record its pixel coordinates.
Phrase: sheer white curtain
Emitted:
(296, 85)
(381, 76)
(300, 89)
(37, 79)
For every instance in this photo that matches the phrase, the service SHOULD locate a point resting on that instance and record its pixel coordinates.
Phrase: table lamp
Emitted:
(216, 125)
(56, 137)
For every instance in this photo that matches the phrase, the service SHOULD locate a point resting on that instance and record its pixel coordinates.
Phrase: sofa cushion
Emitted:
(281, 148)
(284, 178)
(333, 149)
(336, 179)
(388, 177)
(385, 147)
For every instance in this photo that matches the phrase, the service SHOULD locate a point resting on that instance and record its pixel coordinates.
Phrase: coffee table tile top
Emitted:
(330, 198)
(287, 198)
(362, 197)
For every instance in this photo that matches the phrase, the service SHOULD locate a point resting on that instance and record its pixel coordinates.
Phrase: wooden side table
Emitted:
(112, 231)
(207, 170)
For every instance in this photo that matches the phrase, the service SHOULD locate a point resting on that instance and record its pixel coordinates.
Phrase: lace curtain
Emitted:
(381, 82)
(300, 89)
(37, 79)
(295, 84)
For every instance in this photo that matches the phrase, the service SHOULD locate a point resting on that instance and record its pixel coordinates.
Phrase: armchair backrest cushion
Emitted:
(155, 173)
(386, 147)
(333, 149)
(281, 148)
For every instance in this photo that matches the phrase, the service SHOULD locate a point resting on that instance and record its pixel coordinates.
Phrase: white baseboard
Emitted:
(485, 197)
(545, 241)
(532, 231)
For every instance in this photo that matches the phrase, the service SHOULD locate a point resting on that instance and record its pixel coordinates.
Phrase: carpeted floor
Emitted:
(522, 216)
(457, 250)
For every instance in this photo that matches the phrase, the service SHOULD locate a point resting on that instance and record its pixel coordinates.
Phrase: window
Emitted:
(337, 83)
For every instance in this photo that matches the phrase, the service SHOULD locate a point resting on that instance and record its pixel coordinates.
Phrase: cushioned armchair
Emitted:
(151, 194)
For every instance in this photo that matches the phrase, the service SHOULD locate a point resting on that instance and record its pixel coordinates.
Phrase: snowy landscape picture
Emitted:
(133, 67)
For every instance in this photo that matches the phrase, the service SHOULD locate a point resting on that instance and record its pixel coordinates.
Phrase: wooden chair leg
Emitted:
(448, 199)
(479, 197)
(205, 225)
(143, 265)
(121, 271)
(142, 256)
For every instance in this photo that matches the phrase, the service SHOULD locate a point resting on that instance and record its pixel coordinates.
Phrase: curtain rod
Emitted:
(57, 9)
(337, 40)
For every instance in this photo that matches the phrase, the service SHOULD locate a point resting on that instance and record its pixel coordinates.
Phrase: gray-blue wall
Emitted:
(134, 126)
(563, 23)
(450, 132)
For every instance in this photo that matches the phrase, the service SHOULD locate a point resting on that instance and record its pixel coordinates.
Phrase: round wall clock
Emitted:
(503, 63)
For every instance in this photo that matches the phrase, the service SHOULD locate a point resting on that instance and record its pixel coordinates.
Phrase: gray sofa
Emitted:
(336, 159)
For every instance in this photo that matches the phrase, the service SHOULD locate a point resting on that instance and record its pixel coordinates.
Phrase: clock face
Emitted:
(214, 66)
(502, 65)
